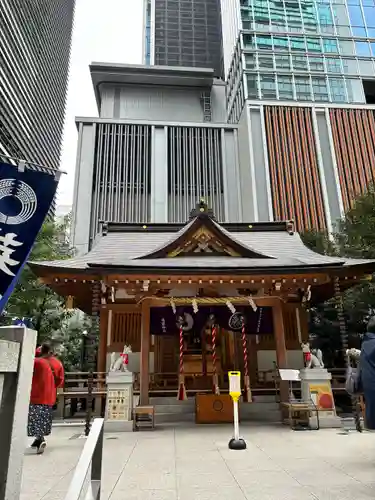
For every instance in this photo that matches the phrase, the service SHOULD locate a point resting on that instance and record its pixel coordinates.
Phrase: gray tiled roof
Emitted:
(123, 249)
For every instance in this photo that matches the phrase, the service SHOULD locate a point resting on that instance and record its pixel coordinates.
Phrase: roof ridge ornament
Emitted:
(202, 209)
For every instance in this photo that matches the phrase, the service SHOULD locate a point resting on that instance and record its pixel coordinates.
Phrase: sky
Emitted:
(104, 31)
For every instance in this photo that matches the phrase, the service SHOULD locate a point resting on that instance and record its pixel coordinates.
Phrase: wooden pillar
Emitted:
(102, 348)
(145, 353)
(281, 354)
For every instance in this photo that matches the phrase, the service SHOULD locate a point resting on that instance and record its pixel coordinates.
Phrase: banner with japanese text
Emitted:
(25, 199)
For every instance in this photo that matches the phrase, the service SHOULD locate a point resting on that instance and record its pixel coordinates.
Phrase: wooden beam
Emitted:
(281, 353)
(145, 354)
(102, 350)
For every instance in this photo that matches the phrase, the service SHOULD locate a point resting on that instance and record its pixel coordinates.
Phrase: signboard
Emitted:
(234, 383)
(25, 199)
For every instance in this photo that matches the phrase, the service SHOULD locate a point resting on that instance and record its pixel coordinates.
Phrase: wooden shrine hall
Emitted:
(197, 300)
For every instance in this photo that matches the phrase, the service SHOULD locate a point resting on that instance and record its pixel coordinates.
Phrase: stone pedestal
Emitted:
(316, 386)
(119, 406)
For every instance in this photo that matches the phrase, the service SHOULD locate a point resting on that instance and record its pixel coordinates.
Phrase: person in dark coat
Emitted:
(366, 373)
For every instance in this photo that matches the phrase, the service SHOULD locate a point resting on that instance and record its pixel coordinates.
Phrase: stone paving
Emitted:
(194, 463)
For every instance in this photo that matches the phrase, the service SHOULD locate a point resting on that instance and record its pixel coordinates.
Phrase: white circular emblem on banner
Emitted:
(24, 194)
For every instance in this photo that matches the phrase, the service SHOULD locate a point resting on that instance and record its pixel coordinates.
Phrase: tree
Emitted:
(32, 299)
(354, 237)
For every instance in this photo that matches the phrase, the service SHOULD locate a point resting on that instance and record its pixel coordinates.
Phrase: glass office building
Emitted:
(34, 64)
(306, 50)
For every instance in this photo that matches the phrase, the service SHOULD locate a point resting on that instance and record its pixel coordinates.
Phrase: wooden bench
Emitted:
(143, 418)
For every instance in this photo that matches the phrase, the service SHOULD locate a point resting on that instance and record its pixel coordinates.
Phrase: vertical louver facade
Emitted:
(122, 174)
(194, 171)
(34, 63)
(353, 133)
(293, 165)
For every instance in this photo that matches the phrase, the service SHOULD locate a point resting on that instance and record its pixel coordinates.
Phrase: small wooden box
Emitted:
(212, 409)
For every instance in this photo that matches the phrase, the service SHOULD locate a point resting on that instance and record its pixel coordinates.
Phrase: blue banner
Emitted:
(25, 199)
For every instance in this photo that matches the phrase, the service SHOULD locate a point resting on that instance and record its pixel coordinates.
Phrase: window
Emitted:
(366, 67)
(333, 65)
(297, 43)
(250, 61)
(362, 48)
(268, 86)
(280, 43)
(337, 87)
(264, 42)
(320, 89)
(347, 47)
(316, 63)
(369, 16)
(373, 48)
(350, 66)
(249, 41)
(265, 61)
(252, 86)
(303, 89)
(282, 62)
(330, 45)
(285, 87)
(355, 90)
(299, 63)
(313, 45)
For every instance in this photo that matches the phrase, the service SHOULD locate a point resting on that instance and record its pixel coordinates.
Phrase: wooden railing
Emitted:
(72, 400)
(78, 388)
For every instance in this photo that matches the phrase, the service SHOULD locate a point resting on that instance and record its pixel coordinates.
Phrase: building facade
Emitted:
(183, 33)
(161, 143)
(301, 87)
(34, 64)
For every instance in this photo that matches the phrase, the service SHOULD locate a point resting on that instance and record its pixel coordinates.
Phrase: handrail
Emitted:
(91, 455)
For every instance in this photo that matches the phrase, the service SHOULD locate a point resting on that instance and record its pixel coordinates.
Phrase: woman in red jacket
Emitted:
(42, 399)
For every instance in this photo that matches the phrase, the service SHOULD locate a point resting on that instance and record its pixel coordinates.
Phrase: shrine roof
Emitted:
(200, 244)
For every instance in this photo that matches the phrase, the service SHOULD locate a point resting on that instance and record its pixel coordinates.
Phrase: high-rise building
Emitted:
(34, 63)
(183, 33)
(301, 87)
(302, 50)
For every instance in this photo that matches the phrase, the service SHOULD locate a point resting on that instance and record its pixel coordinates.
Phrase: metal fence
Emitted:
(86, 482)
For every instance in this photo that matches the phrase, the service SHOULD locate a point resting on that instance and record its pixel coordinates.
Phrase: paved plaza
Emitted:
(194, 463)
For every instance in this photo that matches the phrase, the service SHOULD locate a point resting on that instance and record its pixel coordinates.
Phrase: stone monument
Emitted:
(316, 387)
(119, 406)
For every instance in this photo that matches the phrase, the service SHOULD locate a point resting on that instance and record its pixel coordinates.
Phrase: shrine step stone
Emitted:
(261, 411)
(169, 409)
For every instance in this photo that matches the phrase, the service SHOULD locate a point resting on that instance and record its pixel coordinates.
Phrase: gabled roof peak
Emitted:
(202, 210)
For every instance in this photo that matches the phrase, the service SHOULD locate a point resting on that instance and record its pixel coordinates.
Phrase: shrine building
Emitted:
(195, 301)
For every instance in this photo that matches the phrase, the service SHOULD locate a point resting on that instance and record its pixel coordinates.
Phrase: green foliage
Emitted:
(354, 237)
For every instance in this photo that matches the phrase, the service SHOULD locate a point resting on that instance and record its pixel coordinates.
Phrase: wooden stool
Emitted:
(143, 417)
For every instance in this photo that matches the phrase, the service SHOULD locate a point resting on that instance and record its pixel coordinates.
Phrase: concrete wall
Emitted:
(160, 103)
(82, 197)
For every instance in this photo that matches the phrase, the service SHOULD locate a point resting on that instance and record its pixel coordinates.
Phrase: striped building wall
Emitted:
(313, 161)
(152, 172)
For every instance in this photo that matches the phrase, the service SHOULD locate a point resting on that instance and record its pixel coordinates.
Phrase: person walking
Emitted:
(47, 377)
(366, 374)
